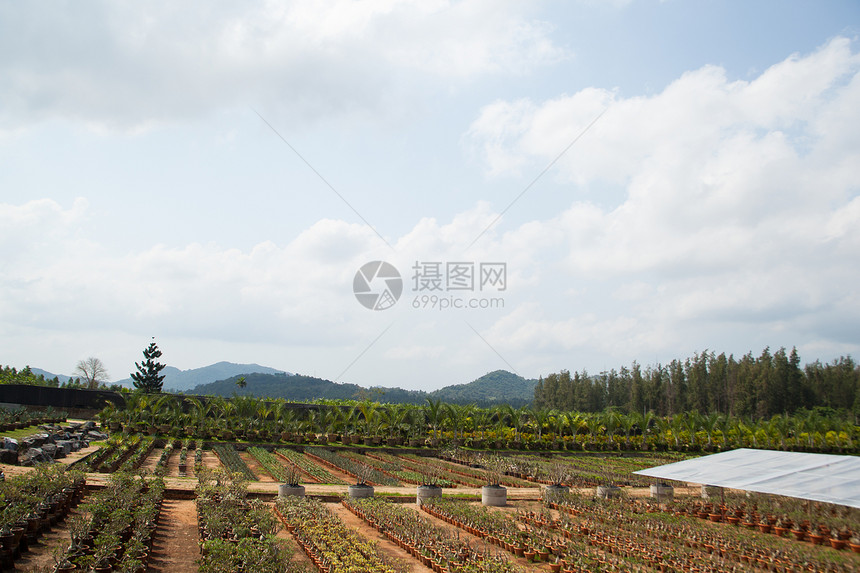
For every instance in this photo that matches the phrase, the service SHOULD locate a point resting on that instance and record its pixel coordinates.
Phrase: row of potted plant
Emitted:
(393, 467)
(237, 533)
(231, 459)
(475, 466)
(413, 467)
(271, 463)
(124, 452)
(20, 418)
(350, 467)
(588, 471)
(198, 456)
(164, 459)
(114, 529)
(329, 543)
(685, 542)
(32, 503)
(783, 516)
(309, 468)
(435, 547)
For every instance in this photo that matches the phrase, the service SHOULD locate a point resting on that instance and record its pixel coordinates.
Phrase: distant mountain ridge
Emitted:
(184, 380)
(498, 387)
(50, 375)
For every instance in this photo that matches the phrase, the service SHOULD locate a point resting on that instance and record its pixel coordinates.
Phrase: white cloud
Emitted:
(128, 66)
(737, 227)
(740, 205)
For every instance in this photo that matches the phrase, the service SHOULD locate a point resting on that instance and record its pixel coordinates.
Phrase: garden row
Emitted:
(114, 530)
(237, 533)
(32, 504)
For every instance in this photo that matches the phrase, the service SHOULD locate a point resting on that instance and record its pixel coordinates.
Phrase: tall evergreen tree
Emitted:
(147, 377)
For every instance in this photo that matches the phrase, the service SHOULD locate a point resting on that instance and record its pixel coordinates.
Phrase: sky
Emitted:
(557, 184)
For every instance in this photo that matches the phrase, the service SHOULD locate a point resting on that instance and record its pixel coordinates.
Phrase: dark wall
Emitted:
(58, 398)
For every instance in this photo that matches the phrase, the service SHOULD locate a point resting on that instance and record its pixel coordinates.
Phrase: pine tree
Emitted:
(147, 377)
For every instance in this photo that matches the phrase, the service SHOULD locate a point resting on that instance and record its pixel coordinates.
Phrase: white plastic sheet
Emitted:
(818, 477)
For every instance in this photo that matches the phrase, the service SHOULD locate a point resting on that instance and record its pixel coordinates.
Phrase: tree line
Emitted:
(708, 382)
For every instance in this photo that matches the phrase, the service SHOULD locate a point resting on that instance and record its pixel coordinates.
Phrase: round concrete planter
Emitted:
(554, 492)
(494, 495)
(608, 491)
(360, 491)
(287, 490)
(427, 492)
(662, 492)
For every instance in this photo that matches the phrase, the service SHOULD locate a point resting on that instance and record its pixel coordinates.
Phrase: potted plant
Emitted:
(493, 493)
(607, 489)
(429, 487)
(362, 489)
(291, 486)
(557, 473)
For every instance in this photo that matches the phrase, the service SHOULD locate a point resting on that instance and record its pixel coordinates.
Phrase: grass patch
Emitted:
(22, 433)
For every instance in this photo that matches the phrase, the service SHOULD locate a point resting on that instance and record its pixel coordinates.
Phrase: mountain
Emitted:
(183, 380)
(50, 375)
(300, 387)
(499, 387)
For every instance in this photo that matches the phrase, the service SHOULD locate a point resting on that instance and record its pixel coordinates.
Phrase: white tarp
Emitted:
(819, 477)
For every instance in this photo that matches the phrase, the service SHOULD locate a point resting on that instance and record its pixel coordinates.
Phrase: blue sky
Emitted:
(712, 206)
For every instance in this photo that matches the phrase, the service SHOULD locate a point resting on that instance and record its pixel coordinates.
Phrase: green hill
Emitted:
(499, 387)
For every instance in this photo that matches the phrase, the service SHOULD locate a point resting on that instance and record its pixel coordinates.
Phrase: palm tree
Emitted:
(693, 423)
(516, 418)
(629, 422)
(481, 418)
(557, 422)
(433, 412)
(709, 424)
(457, 416)
(780, 426)
(666, 427)
(393, 418)
(540, 418)
(611, 422)
(369, 420)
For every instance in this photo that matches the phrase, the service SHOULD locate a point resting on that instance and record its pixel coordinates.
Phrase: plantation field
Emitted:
(192, 514)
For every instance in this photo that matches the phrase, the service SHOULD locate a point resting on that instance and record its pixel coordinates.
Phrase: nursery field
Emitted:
(135, 503)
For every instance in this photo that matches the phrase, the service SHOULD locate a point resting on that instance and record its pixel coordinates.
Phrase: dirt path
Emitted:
(151, 460)
(262, 475)
(174, 547)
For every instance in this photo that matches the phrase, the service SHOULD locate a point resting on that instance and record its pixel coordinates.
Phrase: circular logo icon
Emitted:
(377, 285)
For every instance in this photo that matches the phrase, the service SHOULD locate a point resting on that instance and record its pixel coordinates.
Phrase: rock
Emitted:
(96, 436)
(8, 457)
(65, 446)
(50, 450)
(34, 456)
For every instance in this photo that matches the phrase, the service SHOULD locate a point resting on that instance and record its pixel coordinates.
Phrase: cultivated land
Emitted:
(176, 543)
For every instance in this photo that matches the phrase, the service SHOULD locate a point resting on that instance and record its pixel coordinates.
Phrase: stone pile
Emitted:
(51, 443)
